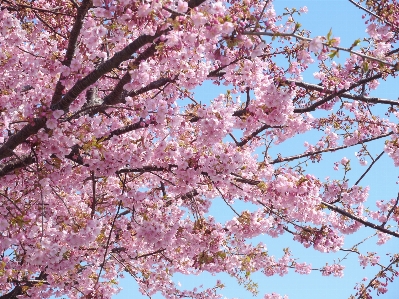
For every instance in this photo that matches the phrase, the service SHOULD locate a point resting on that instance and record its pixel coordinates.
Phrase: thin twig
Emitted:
(372, 13)
(234, 139)
(49, 27)
(372, 281)
(291, 158)
(150, 253)
(391, 210)
(281, 34)
(224, 199)
(60, 198)
(347, 95)
(371, 165)
(108, 241)
(261, 15)
(94, 201)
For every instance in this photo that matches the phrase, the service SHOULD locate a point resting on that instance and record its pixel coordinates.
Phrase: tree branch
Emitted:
(72, 42)
(364, 99)
(373, 14)
(353, 217)
(291, 158)
(337, 94)
(281, 34)
(6, 150)
(108, 241)
(368, 169)
(94, 200)
(16, 163)
(391, 210)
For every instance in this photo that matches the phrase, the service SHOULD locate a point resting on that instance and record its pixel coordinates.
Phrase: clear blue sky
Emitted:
(346, 22)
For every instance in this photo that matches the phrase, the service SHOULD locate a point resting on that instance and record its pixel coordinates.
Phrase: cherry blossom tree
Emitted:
(110, 162)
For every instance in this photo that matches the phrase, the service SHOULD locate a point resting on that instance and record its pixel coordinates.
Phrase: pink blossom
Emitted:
(58, 113)
(336, 41)
(316, 45)
(383, 238)
(181, 6)
(274, 296)
(371, 30)
(51, 123)
(303, 268)
(119, 140)
(144, 10)
(344, 161)
(334, 269)
(227, 28)
(303, 9)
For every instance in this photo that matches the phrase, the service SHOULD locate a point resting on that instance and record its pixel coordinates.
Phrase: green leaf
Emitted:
(332, 54)
(355, 43)
(329, 34)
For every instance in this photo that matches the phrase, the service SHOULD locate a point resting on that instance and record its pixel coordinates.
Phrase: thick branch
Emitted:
(6, 150)
(108, 65)
(72, 42)
(116, 96)
(19, 289)
(104, 68)
(153, 85)
(14, 293)
(128, 128)
(15, 164)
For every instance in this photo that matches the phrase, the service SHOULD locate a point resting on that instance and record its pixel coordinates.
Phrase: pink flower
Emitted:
(303, 268)
(316, 45)
(383, 238)
(97, 3)
(274, 296)
(143, 10)
(335, 269)
(227, 28)
(336, 41)
(198, 19)
(57, 114)
(51, 123)
(303, 9)
(182, 6)
(371, 30)
(344, 160)
(374, 84)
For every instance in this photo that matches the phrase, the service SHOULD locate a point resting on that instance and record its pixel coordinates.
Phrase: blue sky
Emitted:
(346, 22)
